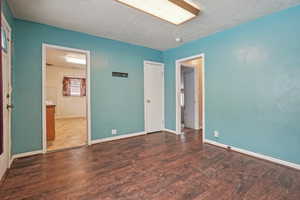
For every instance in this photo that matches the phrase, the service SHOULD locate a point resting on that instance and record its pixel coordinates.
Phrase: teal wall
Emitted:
(115, 102)
(252, 84)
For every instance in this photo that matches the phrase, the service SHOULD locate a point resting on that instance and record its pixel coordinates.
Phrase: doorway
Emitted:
(190, 94)
(5, 154)
(66, 100)
(154, 96)
(188, 97)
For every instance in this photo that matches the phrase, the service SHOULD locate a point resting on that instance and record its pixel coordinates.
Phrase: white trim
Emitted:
(178, 108)
(197, 106)
(6, 24)
(88, 95)
(163, 94)
(44, 138)
(117, 137)
(253, 154)
(11, 161)
(88, 98)
(216, 143)
(26, 154)
(170, 131)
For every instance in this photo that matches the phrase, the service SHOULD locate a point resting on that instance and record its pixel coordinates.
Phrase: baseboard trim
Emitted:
(256, 155)
(171, 131)
(10, 162)
(117, 137)
(26, 154)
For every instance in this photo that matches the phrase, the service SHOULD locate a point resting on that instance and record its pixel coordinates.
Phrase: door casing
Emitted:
(88, 92)
(177, 97)
(7, 90)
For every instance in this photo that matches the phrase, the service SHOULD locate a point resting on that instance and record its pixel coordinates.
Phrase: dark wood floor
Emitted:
(156, 166)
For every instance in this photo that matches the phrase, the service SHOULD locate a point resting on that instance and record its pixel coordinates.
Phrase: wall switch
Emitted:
(216, 134)
(114, 131)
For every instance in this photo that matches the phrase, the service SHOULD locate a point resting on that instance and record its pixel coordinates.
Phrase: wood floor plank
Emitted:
(158, 166)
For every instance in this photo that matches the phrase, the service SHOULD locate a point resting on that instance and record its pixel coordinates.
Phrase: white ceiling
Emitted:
(56, 57)
(110, 19)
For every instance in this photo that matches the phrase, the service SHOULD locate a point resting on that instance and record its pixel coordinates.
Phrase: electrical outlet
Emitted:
(114, 131)
(216, 134)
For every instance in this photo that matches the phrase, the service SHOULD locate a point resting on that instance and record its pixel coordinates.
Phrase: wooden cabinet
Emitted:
(50, 122)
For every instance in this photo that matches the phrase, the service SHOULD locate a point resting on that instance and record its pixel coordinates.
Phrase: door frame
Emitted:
(163, 95)
(88, 92)
(196, 99)
(178, 81)
(6, 24)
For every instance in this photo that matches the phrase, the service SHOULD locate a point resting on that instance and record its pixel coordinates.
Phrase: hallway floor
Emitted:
(69, 132)
(159, 166)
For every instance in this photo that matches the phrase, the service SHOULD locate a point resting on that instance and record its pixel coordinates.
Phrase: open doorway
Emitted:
(190, 94)
(188, 97)
(66, 98)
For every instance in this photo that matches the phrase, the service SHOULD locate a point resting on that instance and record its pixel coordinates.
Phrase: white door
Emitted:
(154, 96)
(189, 97)
(7, 91)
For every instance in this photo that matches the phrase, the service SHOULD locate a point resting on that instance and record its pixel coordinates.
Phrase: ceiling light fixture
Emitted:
(173, 11)
(178, 39)
(75, 60)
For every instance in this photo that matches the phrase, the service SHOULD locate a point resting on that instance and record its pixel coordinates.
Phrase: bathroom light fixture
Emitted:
(173, 11)
(75, 60)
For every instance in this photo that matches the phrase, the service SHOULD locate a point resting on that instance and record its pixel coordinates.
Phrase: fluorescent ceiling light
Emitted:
(173, 11)
(75, 60)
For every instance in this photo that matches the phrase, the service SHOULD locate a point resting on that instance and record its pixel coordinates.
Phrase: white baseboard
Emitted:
(10, 162)
(117, 137)
(257, 155)
(26, 154)
(171, 131)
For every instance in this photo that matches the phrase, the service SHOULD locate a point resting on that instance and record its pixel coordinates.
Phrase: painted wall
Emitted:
(252, 84)
(66, 107)
(116, 103)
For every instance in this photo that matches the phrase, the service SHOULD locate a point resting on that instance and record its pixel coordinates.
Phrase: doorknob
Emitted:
(9, 106)
(148, 101)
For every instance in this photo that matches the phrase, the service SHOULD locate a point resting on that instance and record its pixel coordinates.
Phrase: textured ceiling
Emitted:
(107, 18)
